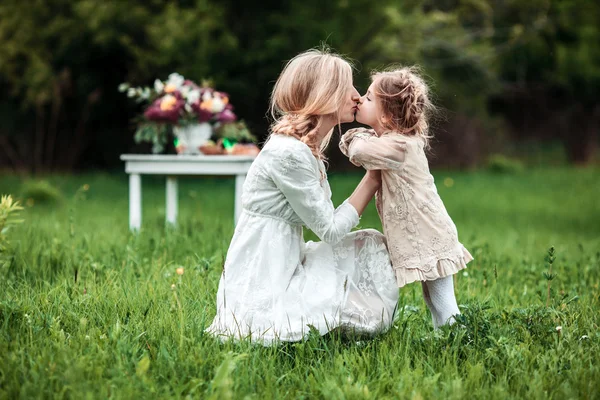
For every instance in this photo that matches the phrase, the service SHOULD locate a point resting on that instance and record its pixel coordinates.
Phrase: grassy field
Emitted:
(88, 310)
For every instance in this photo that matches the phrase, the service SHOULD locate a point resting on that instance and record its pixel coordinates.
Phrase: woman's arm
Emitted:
(296, 174)
(365, 191)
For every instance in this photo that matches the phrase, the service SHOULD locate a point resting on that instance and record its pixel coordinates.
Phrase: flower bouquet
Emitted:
(191, 113)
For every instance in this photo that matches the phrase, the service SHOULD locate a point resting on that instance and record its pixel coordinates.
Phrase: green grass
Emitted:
(87, 309)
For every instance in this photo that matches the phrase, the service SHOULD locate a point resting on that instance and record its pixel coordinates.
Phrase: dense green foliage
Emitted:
(530, 68)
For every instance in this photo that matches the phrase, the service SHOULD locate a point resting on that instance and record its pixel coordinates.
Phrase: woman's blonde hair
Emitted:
(312, 85)
(404, 99)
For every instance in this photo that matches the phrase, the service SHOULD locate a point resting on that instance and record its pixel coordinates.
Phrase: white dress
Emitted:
(276, 287)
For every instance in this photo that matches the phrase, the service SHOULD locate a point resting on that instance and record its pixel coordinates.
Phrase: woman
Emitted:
(275, 286)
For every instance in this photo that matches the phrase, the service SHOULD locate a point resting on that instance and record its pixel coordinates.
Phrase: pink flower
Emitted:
(170, 112)
(226, 116)
(168, 103)
(204, 115)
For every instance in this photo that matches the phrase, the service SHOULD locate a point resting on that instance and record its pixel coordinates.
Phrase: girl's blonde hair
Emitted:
(312, 85)
(404, 99)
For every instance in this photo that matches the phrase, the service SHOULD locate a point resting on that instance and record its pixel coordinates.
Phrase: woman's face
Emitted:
(350, 106)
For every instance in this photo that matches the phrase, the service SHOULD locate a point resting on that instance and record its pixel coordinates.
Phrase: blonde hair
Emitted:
(404, 99)
(312, 85)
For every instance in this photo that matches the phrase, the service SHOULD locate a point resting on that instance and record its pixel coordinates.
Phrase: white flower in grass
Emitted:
(584, 337)
(559, 329)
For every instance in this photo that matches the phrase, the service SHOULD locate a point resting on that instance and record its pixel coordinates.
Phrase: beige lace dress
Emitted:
(421, 237)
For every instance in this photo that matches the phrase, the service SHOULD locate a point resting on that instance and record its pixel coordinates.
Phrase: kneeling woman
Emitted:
(274, 286)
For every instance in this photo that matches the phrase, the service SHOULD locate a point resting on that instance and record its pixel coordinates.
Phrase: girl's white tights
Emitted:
(440, 299)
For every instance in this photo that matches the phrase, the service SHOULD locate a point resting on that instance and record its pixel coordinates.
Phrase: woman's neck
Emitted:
(327, 124)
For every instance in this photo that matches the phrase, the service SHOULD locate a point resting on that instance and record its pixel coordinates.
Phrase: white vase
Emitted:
(191, 137)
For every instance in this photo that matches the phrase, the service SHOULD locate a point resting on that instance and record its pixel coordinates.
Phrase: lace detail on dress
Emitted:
(289, 162)
(298, 175)
(419, 230)
(368, 307)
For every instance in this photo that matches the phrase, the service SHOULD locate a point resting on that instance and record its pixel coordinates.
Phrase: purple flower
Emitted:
(163, 110)
(226, 116)
(203, 115)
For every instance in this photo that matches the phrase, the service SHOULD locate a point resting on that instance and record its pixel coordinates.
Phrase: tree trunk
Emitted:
(11, 153)
(38, 142)
(581, 138)
(53, 127)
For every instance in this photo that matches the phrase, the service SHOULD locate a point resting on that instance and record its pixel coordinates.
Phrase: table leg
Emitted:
(239, 185)
(135, 202)
(171, 200)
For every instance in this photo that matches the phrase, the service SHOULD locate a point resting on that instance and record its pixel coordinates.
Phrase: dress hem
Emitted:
(444, 267)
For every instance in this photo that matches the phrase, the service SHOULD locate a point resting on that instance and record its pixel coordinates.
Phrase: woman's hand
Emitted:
(365, 190)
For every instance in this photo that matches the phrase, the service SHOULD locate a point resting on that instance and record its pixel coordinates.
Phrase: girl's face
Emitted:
(369, 110)
(349, 108)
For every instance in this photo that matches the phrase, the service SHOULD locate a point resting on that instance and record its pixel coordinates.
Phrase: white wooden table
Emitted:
(174, 165)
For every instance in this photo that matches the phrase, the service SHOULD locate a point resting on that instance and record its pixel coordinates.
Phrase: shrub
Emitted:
(41, 192)
(8, 212)
(502, 164)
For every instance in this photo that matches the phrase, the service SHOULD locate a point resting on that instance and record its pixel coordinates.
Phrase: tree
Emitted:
(62, 61)
(534, 64)
(551, 72)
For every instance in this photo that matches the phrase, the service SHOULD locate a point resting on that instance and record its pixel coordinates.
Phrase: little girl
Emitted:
(422, 239)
